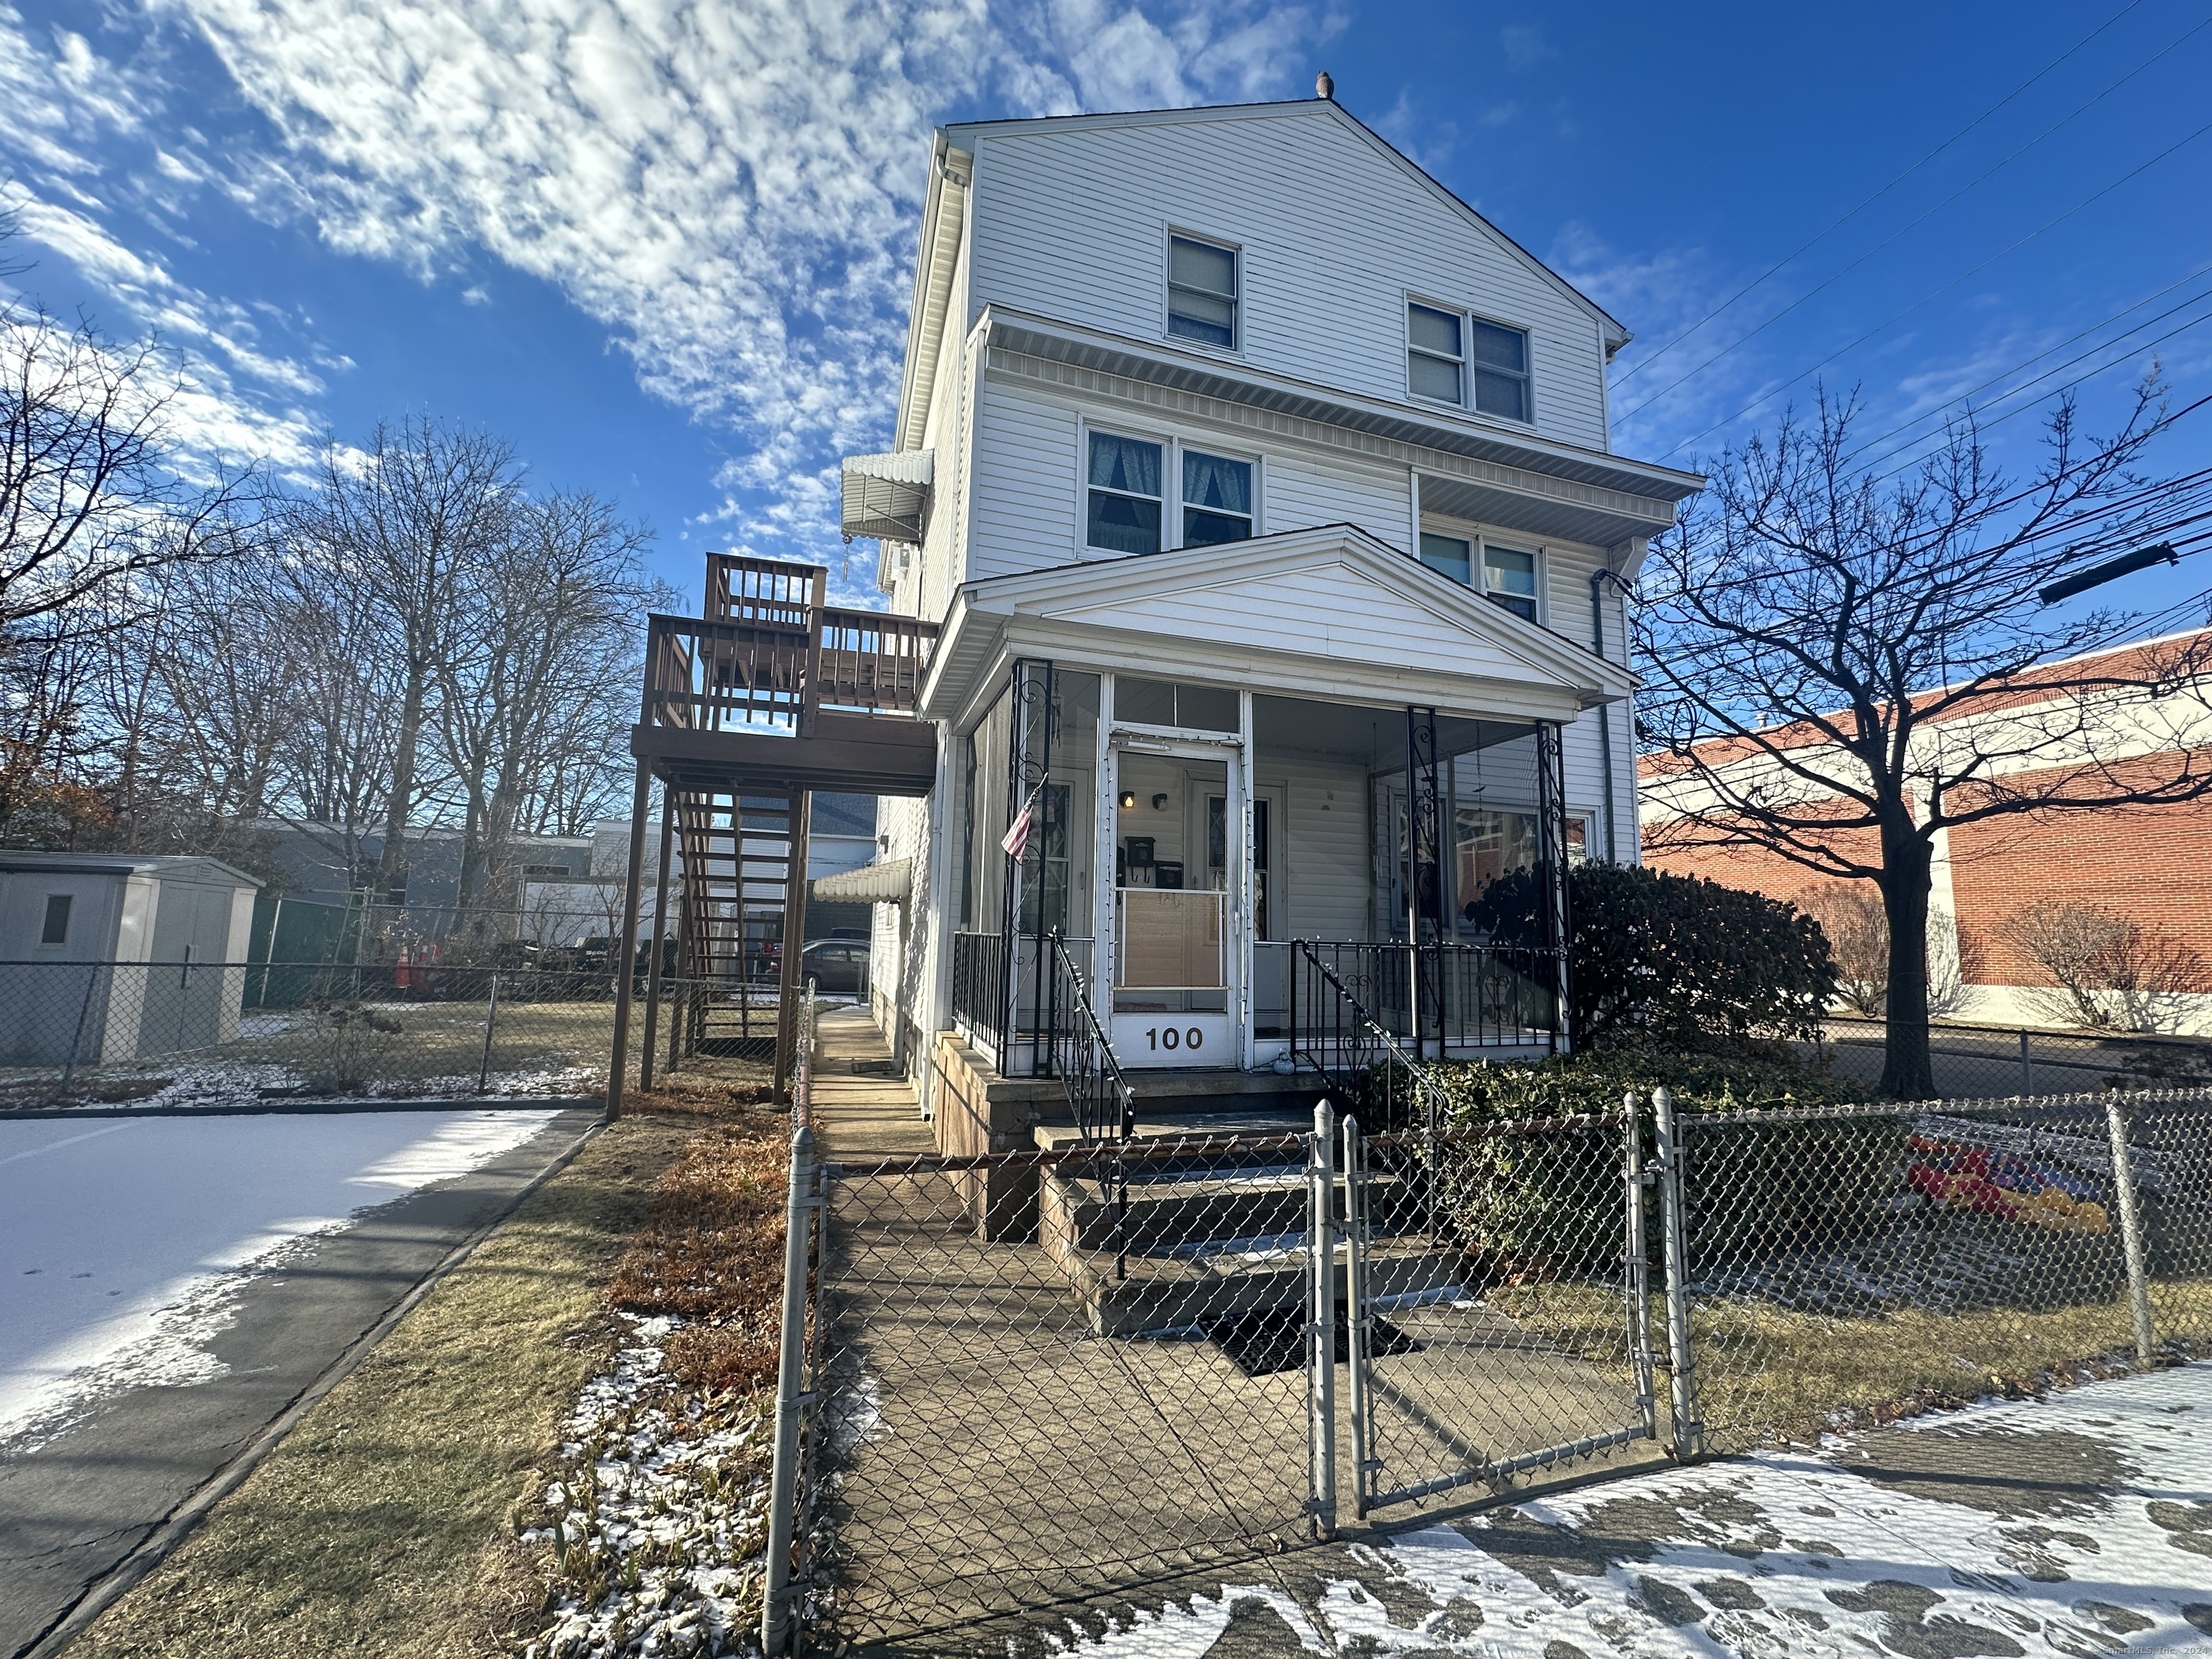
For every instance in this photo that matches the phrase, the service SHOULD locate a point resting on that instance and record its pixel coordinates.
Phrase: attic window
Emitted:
(1202, 292)
(55, 931)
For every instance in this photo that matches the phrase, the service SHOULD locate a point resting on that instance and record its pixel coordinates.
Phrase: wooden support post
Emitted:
(794, 940)
(625, 963)
(659, 938)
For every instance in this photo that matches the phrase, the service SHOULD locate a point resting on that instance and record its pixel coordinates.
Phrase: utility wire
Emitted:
(1937, 293)
(1910, 225)
(1652, 357)
(2015, 368)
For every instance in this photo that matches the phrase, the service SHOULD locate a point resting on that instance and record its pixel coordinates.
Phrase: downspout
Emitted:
(1598, 579)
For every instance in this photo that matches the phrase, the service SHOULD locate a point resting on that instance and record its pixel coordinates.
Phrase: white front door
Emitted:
(1177, 931)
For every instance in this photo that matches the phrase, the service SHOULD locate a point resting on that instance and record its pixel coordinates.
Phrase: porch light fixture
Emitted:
(1128, 800)
(1159, 803)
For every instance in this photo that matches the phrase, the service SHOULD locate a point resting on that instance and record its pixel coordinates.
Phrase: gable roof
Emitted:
(1331, 612)
(965, 133)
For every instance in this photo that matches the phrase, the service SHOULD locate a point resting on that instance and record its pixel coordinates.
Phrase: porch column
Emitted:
(1425, 842)
(1555, 921)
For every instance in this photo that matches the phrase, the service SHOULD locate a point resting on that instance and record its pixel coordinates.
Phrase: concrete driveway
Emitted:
(170, 1285)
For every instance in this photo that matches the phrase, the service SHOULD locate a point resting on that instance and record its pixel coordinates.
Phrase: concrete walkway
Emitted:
(861, 1112)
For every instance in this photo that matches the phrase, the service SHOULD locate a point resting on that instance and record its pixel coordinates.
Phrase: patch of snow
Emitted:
(659, 1530)
(124, 1249)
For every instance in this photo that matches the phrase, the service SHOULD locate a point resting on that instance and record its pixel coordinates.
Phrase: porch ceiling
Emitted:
(1330, 612)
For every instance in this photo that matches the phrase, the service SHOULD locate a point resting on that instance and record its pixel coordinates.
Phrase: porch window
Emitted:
(1509, 578)
(1125, 494)
(1448, 556)
(1202, 292)
(1435, 354)
(56, 930)
(1489, 844)
(1501, 371)
(1169, 703)
(1217, 500)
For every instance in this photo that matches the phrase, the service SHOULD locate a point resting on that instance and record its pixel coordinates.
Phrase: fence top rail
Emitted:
(1109, 1153)
(2014, 1106)
(1878, 1029)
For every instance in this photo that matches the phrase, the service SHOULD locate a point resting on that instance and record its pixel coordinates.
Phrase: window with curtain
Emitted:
(1509, 577)
(1216, 499)
(1201, 291)
(1124, 515)
(1435, 354)
(1448, 556)
(1501, 371)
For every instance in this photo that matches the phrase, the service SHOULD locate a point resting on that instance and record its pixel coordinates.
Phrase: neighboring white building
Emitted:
(111, 956)
(1282, 478)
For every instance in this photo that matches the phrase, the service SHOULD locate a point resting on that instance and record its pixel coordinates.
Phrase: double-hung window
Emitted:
(1216, 499)
(1202, 292)
(1448, 556)
(1436, 353)
(1455, 358)
(1509, 578)
(1501, 371)
(1125, 503)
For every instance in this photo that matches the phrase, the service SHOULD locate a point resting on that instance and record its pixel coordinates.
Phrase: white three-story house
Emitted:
(1260, 491)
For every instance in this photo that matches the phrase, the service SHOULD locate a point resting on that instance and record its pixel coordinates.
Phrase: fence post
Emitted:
(1320, 1338)
(2026, 1090)
(1689, 1433)
(791, 1400)
(1357, 1326)
(491, 1017)
(2123, 1187)
(1637, 1281)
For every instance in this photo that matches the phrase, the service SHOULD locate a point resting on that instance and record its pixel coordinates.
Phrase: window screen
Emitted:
(1165, 703)
(1435, 354)
(55, 931)
(1216, 499)
(1201, 292)
(1501, 371)
(1450, 555)
(1124, 513)
(1509, 577)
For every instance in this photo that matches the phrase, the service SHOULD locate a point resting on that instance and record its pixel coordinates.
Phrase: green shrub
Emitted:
(1680, 961)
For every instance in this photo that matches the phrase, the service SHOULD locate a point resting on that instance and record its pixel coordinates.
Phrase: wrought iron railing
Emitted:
(1364, 1066)
(1077, 1051)
(979, 991)
(1448, 998)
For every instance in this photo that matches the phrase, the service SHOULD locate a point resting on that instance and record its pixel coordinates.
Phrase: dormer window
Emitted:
(1216, 499)
(1202, 292)
(1457, 358)
(1509, 578)
(1124, 513)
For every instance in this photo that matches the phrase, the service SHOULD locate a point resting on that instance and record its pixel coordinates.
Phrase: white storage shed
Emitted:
(106, 958)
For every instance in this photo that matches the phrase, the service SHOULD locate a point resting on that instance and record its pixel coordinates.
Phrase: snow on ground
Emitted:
(2081, 1524)
(124, 1246)
(660, 1528)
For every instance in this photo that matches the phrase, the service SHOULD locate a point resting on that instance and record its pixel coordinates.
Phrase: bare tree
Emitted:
(1842, 668)
(408, 522)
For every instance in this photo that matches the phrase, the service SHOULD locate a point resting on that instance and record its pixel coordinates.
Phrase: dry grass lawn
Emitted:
(384, 1524)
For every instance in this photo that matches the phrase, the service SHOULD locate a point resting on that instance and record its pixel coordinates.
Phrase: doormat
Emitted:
(1271, 1339)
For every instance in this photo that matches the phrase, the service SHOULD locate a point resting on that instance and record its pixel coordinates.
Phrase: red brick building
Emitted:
(2151, 866)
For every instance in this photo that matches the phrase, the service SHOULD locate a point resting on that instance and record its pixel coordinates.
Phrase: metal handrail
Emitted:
(1091, 1075)
(1346, 1080)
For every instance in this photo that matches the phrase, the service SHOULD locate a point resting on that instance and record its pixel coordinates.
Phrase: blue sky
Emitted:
(664, 247)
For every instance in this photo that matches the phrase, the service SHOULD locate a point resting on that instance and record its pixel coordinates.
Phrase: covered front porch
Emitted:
(1274, 853)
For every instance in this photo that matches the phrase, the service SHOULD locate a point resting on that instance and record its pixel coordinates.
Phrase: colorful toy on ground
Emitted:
(1963, 1177)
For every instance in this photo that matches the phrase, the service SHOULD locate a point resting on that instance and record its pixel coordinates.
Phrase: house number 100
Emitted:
(1156, 1038)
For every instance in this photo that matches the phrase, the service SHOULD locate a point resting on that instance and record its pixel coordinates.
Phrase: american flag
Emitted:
(1017, 842)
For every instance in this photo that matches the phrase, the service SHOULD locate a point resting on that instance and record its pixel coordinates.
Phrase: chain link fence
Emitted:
(1017, 1383)
(195, 1035)
(1980, 1062)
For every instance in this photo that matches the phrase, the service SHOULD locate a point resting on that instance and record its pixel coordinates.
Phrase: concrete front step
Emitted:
(1204, 1116)
(1188, 1288)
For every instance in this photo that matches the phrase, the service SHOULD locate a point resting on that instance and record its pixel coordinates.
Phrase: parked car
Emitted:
(839, 967)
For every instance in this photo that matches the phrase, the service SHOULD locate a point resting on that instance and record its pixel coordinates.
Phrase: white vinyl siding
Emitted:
(1332, 236)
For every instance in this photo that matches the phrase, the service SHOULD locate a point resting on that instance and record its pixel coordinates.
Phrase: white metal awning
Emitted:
(888, 495)
(871, 883)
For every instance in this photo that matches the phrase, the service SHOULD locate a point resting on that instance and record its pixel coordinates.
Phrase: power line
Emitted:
(1901, 230)
(2006, 373)
(1835, 224)
(1935, 294)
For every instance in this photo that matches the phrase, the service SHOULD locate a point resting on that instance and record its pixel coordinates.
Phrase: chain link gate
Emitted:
(1499, 1325)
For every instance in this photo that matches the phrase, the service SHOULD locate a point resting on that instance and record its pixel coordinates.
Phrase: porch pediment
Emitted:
(1332, 610)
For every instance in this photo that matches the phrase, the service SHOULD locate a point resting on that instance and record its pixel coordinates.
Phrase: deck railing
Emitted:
(707, 675)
